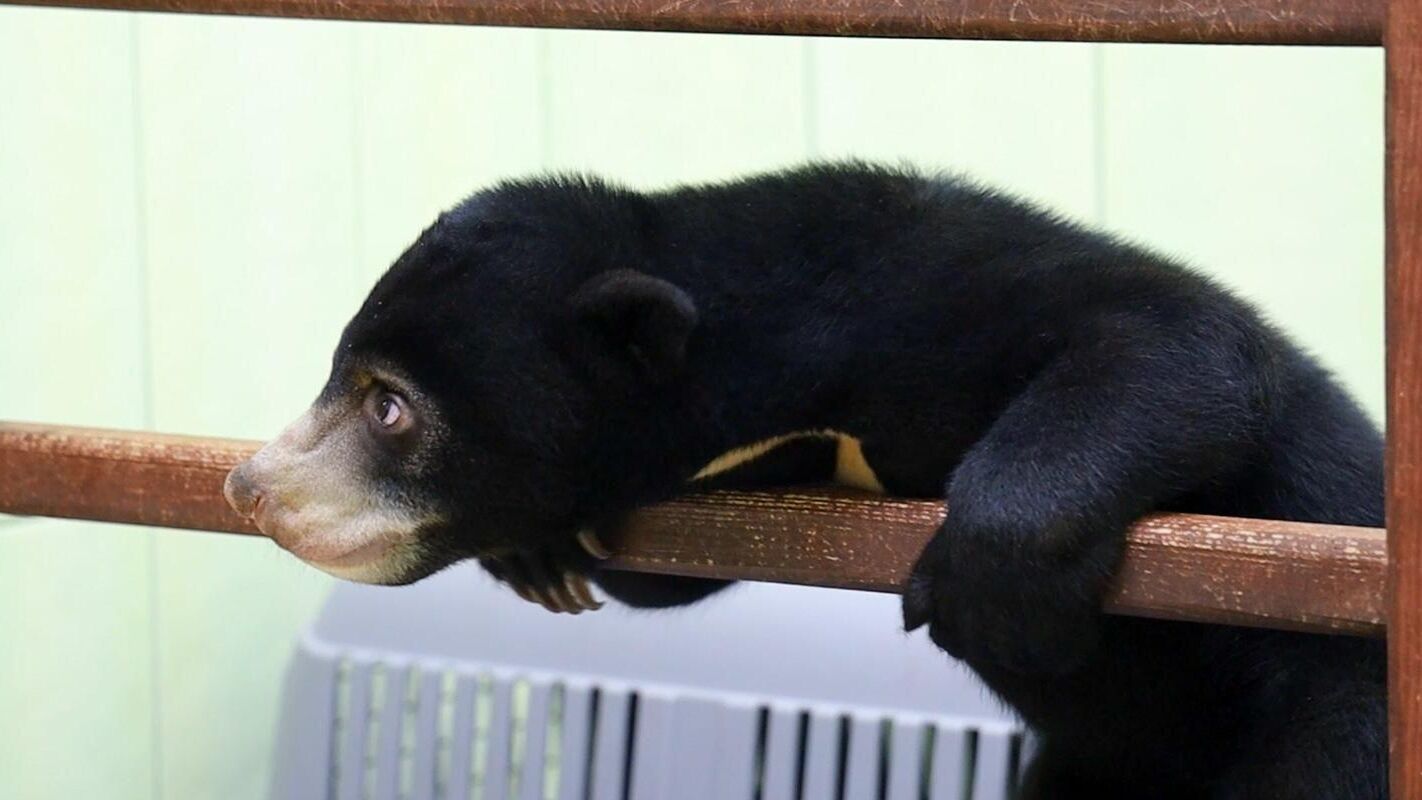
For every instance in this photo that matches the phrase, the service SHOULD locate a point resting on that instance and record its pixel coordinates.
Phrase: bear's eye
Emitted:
(389, 410)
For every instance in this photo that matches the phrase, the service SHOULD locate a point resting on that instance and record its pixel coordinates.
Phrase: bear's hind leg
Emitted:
(1337, 752)
(1054, 775)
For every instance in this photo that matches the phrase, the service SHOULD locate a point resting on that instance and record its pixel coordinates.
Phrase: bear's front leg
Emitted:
(994, 599)
(1037, 510)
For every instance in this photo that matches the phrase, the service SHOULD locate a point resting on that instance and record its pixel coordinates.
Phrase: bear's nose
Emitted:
(241, 491)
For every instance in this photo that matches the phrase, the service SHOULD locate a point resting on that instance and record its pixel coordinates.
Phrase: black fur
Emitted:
(590, 348)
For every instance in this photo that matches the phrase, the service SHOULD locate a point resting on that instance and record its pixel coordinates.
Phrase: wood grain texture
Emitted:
(1178, 566)
(1404, 378)
(1330, 22)
(1325, 578)
(154, 479)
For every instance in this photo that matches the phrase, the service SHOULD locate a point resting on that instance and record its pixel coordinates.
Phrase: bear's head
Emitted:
(513, 348)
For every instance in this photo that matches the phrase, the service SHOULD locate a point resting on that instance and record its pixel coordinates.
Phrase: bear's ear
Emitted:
(645, 320)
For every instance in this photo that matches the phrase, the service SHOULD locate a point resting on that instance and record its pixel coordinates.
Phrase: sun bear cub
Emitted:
(554, 352)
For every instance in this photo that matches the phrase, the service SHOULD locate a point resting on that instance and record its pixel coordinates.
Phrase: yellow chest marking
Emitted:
(850, 468)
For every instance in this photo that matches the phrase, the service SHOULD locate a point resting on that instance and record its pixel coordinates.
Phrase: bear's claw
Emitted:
(536, 579)
(593, 546)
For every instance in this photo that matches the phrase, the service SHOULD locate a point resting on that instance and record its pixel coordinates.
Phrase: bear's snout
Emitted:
(241, 491)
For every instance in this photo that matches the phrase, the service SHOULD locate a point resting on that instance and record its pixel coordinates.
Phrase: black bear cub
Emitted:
(554, 352)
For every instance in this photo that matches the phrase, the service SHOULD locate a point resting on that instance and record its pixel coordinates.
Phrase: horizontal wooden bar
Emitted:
(1315, 22)
(1325, 578)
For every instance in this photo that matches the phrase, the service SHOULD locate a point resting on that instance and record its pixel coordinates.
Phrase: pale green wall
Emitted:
(190, 207)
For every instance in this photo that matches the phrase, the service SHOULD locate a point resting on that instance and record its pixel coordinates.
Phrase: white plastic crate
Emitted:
(455, 689)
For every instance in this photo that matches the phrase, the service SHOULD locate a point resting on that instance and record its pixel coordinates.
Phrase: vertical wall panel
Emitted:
(442, 111)
(76, 671)
(76, 666)
(248, 153)
(248, 149)
(71, 301)
(1263, 166)
(1014, 114)
(652, 109)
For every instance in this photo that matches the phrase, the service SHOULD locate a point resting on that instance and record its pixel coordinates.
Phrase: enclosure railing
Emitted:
(1321, 578)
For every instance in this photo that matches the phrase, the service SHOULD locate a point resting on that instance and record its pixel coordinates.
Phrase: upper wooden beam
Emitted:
(1325, 578)
(1316, 22)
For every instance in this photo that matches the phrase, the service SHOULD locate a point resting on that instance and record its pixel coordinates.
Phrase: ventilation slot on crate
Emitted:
(413, 732)
(806, 755)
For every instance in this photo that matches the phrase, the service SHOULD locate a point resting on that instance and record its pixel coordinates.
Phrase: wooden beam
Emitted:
(1316, 22)
(119, 476)
(1404, 379)
(1325, 578)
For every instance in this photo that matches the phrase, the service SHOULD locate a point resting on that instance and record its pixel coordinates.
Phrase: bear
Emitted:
(556, 351)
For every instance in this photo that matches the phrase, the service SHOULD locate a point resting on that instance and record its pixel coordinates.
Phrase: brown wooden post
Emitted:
(1404, 373)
